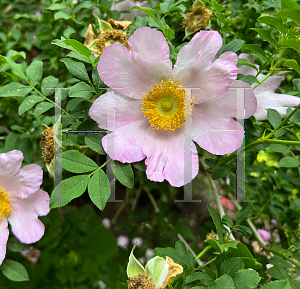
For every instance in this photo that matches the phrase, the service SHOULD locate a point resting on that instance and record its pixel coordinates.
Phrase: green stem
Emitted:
(285, 142)
(282, 255)
(203, 252)
(45, 97)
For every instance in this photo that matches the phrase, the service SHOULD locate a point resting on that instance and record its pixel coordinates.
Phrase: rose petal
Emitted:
(10, 164)
(165, 152)
(24, 216)
(3, 238)
(270, 84)
(134, 74)
(214, 131)
(245, 69)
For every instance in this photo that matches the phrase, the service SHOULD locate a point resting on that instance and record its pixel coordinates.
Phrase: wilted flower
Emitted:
(32, 254)
(265, 234)
(152, 104)
(129, 14)
(265, 92)
(109, 34)
(48, 145)
(197, 19)
(155, 275)
(21, 200)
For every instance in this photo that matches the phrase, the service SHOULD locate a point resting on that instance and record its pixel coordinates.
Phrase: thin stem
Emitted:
(122, 207)
(216, 196)
(203, 252)
(282, 255)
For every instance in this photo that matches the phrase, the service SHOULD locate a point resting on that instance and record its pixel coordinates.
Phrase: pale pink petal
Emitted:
(130, 14)
(134, 74)
(214, 130)
(10, 164)
(165, 156)
(270, 84)
(24, 216)
(265, 234)
(27, 181)
(113, 110)
(3, 238)
(245, 69)
(128, 127)
(127, 141)
(280, 102)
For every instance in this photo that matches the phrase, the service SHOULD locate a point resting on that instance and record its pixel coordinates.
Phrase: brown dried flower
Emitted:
(48, 145)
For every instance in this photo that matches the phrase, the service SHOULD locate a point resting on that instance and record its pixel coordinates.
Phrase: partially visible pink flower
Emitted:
(226, 202)
(21, 200)
(265, 234)
(274, 222)
(32, 254)
(265, 92)
(152, 103)
(130, 14)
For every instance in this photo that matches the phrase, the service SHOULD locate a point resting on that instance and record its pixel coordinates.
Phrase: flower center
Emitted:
(140, 281)
(167, 106)
(5, 203)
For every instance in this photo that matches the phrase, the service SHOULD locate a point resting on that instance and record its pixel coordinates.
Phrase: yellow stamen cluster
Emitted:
(197, 19)
(140, 281)
(167, 106)
(5, 204)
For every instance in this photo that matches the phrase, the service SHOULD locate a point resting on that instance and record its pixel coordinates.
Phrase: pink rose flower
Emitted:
(265, 234)
(152, 105)
(21, 200)
(226, 202)
(129, 14)
(265, 92)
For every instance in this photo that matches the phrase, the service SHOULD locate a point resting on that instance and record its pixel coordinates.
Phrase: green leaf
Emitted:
(244, 230)
(15, 245)
(99, 189)
(42, 107)
(223, 282)
(77, 69)
(289, 162)
(256, 49)
(81, 89)
(68, 189)
(290, 13)
(124, 174)
(54, 7)
(291, 43)
(47, 82)
(219, 173)
(244, 213)
(219, 7)
(166, 5)
(29, 102)
(273, 3)
(94, 141)
(217, 221)
(15, 89)
(205, 278)
(243, 253)
(227, 221)
(140, 165)
(76, 162)
(79, 47)
(35, 72)
(246, 279)
(292, 63)
(62, 15)
(233, 46)
(134, 267)
(231, 266)
(289, 4)
(265, 35)
(279, 148)
(274, 117)
(249, 79)
(277, 272)
(279, 284)
(84, 4)
(273, 21)
(14, 271)
(179, 255)
(243, 61)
